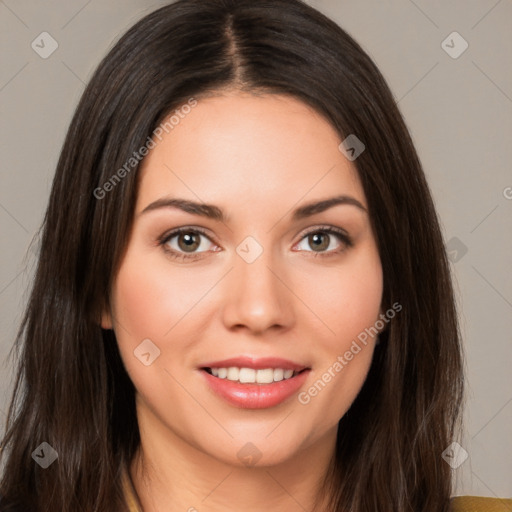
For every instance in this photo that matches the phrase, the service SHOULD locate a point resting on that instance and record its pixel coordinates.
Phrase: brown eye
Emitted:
(184, 243)
(188, 241)
(319, 240)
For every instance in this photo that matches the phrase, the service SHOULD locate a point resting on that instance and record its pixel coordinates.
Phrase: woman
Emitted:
(183, 349)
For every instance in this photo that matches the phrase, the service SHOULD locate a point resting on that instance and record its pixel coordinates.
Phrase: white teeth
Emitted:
(247, 375)
(288, 374)
(233, 373)
(250, 375)
(278, 374)
(265, 376)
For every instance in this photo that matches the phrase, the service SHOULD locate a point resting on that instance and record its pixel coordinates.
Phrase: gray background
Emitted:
(459, 111)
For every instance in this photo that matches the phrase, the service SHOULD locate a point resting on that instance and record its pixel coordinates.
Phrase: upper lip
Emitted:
(256, 363)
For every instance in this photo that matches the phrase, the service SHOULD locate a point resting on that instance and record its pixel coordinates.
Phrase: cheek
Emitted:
(149, 298)
(349, 305)
(150, 301)
(146, 305)
(347, 298)
(157, 300)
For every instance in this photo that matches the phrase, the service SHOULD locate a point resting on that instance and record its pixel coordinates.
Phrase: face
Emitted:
(254, 275)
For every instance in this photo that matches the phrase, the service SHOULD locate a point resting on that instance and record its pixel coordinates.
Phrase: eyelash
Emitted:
(330, 230)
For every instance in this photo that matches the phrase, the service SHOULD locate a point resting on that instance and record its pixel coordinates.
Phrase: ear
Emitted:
(106, 319)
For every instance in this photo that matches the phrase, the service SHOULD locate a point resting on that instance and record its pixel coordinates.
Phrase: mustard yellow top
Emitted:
(478, 504)
(130, 494)
(459, 503)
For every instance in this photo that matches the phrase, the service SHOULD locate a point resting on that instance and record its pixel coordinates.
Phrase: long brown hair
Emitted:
(72, 390)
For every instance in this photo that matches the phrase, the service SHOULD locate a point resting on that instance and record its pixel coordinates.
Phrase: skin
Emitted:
(257, 158)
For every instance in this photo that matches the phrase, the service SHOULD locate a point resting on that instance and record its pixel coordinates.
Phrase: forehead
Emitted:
(267, 150)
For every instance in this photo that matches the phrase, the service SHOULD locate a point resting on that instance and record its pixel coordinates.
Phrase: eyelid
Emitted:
(324, 228)
(176, 231)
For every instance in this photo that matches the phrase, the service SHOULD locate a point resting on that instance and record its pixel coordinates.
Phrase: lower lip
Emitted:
(255, 396)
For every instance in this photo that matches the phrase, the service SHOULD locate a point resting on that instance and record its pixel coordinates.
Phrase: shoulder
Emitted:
(479, 504)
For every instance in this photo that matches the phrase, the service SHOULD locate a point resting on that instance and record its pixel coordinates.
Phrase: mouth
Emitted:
(255, 388)
(252, 382)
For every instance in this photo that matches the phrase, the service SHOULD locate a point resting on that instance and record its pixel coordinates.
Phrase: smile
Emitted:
(250, 394)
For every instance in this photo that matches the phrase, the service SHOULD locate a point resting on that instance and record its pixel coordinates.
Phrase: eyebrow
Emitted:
(214, 212)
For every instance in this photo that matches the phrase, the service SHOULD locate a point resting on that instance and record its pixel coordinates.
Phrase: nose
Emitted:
(257, 296)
